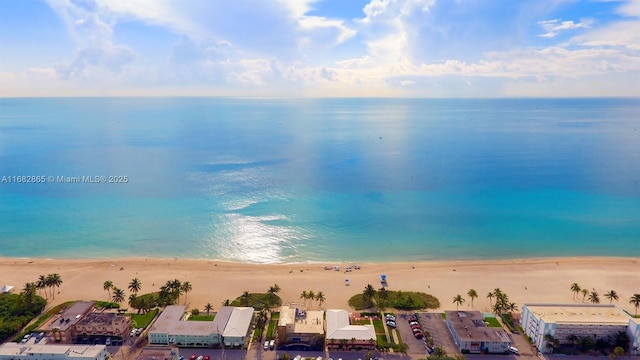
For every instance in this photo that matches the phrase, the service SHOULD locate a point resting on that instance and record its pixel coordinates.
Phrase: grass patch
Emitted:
(201, 317)
(493, 322)
(272, 327)
(360, 322)
(381, 339)
(258, 301)
(378, 325)
(444, 316)
(143, 320)
(401, 300)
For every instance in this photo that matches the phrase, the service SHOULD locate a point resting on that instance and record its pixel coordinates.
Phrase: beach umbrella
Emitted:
(383, 278)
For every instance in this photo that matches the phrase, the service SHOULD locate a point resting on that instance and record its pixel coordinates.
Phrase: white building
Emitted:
(238, 330)
(341, 334)
(300, 327)
(472, 335)
(564, 320)
(14, 351)
(171, 328)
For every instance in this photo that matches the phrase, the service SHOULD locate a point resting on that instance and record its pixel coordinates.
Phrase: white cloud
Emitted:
(553, 27)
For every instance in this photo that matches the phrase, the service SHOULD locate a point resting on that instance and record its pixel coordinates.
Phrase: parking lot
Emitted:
(434, 324)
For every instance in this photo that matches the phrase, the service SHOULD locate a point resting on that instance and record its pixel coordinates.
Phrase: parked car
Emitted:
(418, 335)
(206, 357)
(272, 344)
(266, 345)
(193, 357)
(108, 341)
(514, 350)
(391, 324)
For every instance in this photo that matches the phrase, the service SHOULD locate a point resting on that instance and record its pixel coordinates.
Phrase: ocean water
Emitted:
(275, 180)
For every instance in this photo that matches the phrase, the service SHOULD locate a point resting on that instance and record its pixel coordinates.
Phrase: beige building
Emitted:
(296, 327)
(13, 351)
(342, 335)
(61, 328)
(563, 320)
(103, 324)
(472, 335)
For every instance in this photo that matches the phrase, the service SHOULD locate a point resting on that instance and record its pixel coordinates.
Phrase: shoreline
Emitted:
(526, 280)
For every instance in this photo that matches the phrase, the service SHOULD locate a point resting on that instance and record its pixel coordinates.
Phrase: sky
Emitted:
(320, 48)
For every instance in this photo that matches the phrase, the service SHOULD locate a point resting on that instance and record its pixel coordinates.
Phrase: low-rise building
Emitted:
(238, 330)
(103, 324)
(301, 328)
(171, 328)
(340, 334)
(13, 351)
(62, 328)
(472, 335)
(564, 321)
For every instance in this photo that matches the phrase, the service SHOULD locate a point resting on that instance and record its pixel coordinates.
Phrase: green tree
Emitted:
(208, 308)
(185, 288)
(41, 284)
(226, 302)
(439, 352)
(611, 295)
(107, 286)
(587, 343)
(304, 295)
(575, 288)
(551, 341)
(584, 293)
(118, 295)
(459, 357)
(490, 297)
(312, 296)
(635, 301)
(368, 293)
(618, 350)
(320, 298)
(245, 298)
(593, 297)
(473, 294)
(135, 285)
(458, 300)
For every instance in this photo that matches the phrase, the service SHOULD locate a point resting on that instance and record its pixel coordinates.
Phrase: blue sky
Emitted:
(415, 48)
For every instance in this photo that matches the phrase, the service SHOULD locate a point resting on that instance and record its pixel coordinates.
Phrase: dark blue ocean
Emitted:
(274, 180)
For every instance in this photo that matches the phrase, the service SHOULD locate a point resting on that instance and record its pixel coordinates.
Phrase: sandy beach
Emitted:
(524, 280)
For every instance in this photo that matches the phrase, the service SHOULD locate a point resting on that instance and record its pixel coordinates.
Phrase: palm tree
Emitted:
(54, 281)
(107, 286)
(312, 296)
(226, 302)
(635, 301)
(42, 284)
(368, 293)
(439, 352)
(490, 297)
(473, 294)
(584, 293)
(135, 285)
(185, 287)
(118, 295)
(208, 308)
(575, 288)
(458, 300)
(304, 295)
(320, 298)
(611, 295)
(551, 341)
(593, 297)
(245, 298)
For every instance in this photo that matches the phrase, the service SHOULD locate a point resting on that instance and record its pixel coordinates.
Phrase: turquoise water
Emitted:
(269, 180)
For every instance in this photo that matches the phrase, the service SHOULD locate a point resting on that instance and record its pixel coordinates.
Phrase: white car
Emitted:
(272, 344)
(266, 345)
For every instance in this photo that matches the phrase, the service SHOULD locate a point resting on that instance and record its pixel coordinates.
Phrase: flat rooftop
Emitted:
(579, 314)
(72, 315)
(14, 349)
(170, 322)
(311, 323)
(470, 326)
(157, 353)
